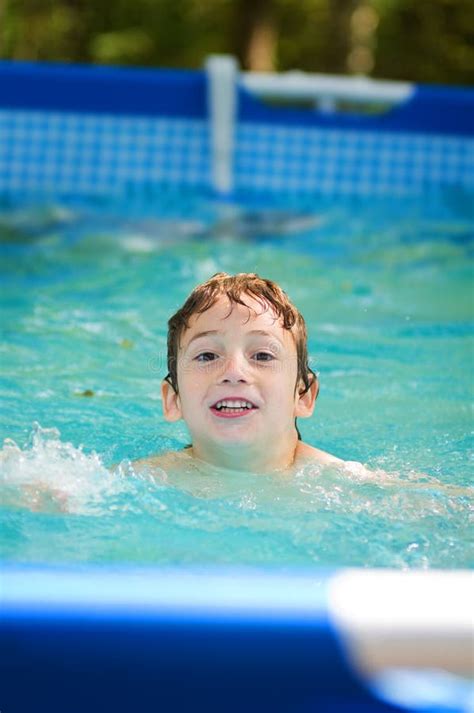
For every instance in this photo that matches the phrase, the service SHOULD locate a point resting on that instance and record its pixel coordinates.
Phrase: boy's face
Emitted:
(237, 379)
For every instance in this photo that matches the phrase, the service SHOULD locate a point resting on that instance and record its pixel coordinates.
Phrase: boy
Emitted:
(239, 377)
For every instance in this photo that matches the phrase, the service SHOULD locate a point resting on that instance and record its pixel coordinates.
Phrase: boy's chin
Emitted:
(235, 437)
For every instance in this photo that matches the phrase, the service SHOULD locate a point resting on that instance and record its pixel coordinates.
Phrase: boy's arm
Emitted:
(417, 481)
(360, 472)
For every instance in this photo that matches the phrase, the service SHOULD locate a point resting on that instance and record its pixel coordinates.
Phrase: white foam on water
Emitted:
(50, 475)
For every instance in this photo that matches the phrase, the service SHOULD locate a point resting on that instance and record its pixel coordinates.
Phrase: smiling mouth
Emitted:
(233, 407)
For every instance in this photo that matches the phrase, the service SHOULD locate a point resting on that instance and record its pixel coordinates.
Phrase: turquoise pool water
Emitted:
(87, 288)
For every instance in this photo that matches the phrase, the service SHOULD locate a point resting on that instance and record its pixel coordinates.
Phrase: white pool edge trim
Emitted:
(416, 619)
(319, 88)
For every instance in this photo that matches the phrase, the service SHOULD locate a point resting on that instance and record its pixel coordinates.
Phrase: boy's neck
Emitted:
(254, 459)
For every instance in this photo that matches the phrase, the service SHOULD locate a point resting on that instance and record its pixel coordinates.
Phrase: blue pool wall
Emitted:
(148, 640)
(78, 130)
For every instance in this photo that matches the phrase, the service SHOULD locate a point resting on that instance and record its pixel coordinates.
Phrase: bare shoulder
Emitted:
(162, 461)
(309, 454)
(353, 469)
(306, 453)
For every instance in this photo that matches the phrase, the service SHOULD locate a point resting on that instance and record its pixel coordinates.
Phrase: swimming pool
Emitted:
(94, 262)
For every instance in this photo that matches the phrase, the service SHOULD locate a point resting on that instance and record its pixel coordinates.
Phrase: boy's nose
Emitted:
(234, 371)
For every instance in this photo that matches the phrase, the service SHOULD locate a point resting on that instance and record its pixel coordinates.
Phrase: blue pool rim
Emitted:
(147, 639)
(173, 639)
(100, 131)
(182, 93)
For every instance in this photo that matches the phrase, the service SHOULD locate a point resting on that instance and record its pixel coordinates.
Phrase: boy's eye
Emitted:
(206, 356)
(263, 356)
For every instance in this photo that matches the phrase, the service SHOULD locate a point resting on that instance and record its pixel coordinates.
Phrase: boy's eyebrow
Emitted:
(263, 333)
(260, 332)
(202, 334)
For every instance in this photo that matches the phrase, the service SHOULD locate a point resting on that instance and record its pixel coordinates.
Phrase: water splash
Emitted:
(49, 475)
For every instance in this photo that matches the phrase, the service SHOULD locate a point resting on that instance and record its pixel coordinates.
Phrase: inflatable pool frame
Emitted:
(138, 640)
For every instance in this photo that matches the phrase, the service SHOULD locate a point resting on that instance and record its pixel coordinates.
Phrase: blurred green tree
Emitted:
(426, 40)
(418, 40)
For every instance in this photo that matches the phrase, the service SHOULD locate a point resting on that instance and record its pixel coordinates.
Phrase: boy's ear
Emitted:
(171, 402)
(306, 401)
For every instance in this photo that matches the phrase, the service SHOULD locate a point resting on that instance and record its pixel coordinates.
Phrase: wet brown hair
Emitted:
(235, 287)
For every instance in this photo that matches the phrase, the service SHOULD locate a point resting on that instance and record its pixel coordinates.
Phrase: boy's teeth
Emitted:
(237, 403)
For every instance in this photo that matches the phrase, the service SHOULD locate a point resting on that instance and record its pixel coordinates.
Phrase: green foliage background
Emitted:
(418, 40)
